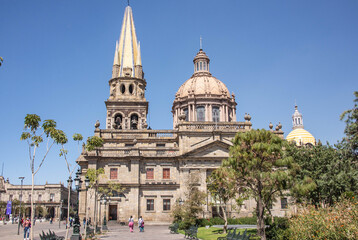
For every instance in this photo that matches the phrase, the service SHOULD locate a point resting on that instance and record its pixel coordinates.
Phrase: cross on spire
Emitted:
(201, 43)
(128, 2)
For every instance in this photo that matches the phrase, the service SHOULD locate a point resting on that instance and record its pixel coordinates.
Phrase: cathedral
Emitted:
(154, 165)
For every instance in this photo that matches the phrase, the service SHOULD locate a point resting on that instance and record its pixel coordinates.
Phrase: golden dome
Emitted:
(203, 85)
(301, 137)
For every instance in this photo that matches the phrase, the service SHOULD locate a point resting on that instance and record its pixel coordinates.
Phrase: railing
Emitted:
(215, 126)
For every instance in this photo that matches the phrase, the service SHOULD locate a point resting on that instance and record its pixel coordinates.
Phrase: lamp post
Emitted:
(76, 235)
(20, 212)
(105, 200)
(59, 214)
(86, 212)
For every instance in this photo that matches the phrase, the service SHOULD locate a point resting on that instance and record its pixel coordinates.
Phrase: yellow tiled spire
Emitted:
(128, 50)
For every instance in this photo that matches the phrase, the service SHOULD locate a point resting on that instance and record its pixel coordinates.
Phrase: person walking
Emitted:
(27, 226)
(131, 224)
(141, 224)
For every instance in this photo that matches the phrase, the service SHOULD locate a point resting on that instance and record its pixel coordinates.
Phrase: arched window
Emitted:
(123, 89)
(134, 121)
(200, 114)
(201, 66)
(216, 114)
(118, 120)
(131, 88)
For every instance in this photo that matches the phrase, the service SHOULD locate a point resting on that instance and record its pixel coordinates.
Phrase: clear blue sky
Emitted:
(58, 59)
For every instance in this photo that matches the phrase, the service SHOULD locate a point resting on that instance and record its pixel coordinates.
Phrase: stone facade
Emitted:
(154, 165)
(51, 197)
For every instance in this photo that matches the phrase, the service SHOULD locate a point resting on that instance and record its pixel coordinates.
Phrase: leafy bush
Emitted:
(248, 220)
(278, 230)
(233, 221)
(217, 221)
(202, 222)
(336, 222)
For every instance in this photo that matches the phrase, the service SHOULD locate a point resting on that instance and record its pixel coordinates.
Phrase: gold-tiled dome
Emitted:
(301, 137)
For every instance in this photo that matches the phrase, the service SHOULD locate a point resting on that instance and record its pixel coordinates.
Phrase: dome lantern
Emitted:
(201, 63)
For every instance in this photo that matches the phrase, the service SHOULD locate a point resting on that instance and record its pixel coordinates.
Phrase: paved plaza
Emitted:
(154, 232)
(9, 231)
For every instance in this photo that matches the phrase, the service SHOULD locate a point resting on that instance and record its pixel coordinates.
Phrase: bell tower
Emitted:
(126, 106)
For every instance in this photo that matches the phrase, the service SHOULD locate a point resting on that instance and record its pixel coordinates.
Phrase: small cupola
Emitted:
(297, 121)
(201, 62)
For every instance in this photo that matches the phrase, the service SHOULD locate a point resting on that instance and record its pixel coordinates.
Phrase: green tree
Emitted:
(1, 61)
(351, 130)
(261, 167)
(223, 189)
(330, 171)
(193, 204)
(94, 175)
(35, 134)
(70, 168)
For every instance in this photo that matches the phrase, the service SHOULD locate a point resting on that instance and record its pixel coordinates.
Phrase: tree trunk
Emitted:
(68, 211)
(260, 218)
(225, 219)
(32, 207)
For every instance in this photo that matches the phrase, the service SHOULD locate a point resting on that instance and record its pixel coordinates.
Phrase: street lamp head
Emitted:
(21, 178)
(77, 182)
(87, 181)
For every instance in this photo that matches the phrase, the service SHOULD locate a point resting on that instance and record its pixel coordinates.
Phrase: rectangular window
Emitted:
(29, 197)
(20, 197)
(40, 198)
(216, 114)
(166, 173)
(10, 198)
(150, 173)
(186, 114)
(166, 204)
(200, 114)
(150, 204)
(160, 144)
(52, 197)
(113, 173)
(284, 203)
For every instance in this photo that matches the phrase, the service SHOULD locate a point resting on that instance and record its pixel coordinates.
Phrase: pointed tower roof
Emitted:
(128, 50)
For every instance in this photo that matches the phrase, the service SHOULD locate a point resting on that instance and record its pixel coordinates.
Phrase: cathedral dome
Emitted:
(301, 137)
(202, 85)
(203, 98)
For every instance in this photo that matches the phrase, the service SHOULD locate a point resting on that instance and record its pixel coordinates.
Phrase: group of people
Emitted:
(140, 224)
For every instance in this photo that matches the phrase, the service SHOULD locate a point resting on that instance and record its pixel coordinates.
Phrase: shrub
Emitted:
(202, 222)
(233, 221)
(217, 221)
(336, 222)
(278, 230)
(248, 220)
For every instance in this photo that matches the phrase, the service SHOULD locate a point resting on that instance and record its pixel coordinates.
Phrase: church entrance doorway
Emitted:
(112, 212)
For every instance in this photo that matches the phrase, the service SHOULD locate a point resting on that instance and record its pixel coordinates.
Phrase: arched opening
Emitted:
(131, 88)
(134, 121)
(51, 212)
(123, 89)
(28, 212)
(118, 120)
